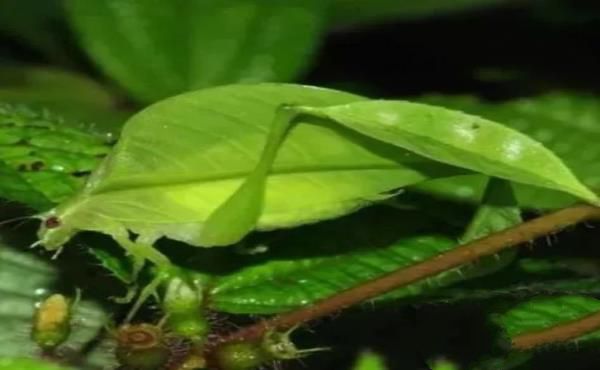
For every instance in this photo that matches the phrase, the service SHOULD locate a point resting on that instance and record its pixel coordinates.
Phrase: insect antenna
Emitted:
(19, 224)
(14, 219)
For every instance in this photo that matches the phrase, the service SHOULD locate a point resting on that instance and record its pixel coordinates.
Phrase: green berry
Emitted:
(241, 356)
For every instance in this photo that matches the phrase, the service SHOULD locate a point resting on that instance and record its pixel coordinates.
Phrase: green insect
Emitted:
(208, 167)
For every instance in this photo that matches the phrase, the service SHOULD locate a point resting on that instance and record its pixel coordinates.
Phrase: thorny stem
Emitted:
(558, 333)
(461, 255)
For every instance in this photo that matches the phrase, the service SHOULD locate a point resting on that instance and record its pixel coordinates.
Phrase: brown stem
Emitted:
(559, 333)
(464, 254)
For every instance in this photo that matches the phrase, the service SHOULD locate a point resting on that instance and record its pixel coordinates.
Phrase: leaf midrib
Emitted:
(550, 181)
(283, 170)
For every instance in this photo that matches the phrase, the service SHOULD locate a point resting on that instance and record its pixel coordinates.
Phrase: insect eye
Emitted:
(52, 222)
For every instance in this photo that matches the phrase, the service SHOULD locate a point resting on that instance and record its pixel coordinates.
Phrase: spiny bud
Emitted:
(241, 356)
(250, 355)
(52, 322)
(146, 347)
(141, 347)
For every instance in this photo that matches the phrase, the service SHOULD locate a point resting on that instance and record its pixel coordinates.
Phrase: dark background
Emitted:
(525, 49)
(537, 46)
(519, 49)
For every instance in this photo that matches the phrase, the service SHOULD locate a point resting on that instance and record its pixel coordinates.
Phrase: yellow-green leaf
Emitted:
(179, 160)
(462, 140)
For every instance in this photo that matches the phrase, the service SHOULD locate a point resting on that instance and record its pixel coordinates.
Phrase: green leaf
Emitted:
(272, 286)
(461, 140)
(15, 188)
(565, 122)
(11, 363)
(117, 265)
(73, 96)
(369, 361)
(179, 160)
(544, 313)
(43, 159)
(498, 211)
(157, 49)
(572, 286)
(347, 12)
(305, 265)
(581, 266)
(282, 285)
(19, 297)
(523, 279)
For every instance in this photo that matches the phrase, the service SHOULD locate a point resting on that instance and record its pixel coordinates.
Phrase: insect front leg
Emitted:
(142, 250)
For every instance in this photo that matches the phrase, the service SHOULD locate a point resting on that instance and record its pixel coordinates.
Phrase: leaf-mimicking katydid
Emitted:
(179, 160)
(210, 166)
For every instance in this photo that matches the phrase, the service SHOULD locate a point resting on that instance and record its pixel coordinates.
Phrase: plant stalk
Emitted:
(558, 333)
(461, 255)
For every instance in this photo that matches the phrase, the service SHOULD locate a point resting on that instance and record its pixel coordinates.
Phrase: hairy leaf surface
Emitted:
(544, 313)
(307, 264)
(527, 278)
(43, 159)
(15, 188)
(279, 286)
(372, 245)
(555, 287)
(284, 282)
